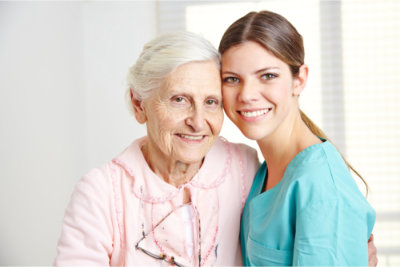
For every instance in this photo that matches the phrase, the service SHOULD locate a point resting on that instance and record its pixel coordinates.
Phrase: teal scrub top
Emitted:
(315, 215)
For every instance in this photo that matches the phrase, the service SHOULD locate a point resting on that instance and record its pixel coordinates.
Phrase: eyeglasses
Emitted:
(164, 257)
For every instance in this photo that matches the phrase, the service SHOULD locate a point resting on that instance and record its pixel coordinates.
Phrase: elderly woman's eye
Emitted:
(179, 99)
(211, 102)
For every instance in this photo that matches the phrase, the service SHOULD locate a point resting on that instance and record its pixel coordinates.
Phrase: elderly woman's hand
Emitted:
(372, 252)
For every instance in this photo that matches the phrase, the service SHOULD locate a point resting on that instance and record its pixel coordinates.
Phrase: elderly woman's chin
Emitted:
(191, 151)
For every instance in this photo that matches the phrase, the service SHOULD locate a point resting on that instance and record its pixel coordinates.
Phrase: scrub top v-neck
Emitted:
(315, 215)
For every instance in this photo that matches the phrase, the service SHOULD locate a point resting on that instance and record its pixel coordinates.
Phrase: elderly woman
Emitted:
(176, 195)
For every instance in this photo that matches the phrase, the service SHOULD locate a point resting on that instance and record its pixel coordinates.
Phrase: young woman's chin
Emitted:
(254, 133)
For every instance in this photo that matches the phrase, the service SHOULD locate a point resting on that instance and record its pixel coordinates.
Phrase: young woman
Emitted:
(304, 207)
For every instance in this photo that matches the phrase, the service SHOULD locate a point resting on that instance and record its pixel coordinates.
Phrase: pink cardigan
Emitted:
(112, 206)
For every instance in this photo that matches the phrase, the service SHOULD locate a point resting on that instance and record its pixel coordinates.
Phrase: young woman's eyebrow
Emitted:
(229, 72)
(256, 72)
(266, 69)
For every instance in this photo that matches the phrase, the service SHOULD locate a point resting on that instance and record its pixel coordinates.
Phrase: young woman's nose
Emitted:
(247, 92)
(196, 119)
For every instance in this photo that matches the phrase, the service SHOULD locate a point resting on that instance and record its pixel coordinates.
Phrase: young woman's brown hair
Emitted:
(280, 37)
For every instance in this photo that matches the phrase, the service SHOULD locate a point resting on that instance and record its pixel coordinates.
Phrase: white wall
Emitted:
(62, 110)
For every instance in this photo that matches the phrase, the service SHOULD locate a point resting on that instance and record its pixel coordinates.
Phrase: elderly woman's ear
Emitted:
(138, 109)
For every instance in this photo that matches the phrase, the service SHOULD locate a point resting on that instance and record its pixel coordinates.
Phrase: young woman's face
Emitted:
(259, 91)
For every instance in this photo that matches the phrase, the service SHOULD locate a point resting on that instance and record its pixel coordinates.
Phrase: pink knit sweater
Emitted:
(114, 206)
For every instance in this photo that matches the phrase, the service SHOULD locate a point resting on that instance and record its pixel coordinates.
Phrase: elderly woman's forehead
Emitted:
(208, 68)
(196, 63)
(205, 71)
(195, 78)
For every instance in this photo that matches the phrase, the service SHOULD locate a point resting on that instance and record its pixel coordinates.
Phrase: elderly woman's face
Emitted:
(184, 116)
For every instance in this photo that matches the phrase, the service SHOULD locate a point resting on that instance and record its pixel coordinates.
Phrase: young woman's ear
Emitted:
(140, 113)
(300, 80)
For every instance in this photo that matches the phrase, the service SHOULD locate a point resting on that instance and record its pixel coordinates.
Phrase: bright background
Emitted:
(62, 107)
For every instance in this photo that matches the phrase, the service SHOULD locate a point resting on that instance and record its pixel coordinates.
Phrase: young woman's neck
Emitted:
(283, 145)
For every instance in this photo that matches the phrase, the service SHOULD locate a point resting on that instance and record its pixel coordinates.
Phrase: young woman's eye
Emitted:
(269, 76)
(231, 80)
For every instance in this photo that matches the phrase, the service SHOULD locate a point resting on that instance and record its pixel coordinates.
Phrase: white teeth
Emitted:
(253, 113)
(191, 137)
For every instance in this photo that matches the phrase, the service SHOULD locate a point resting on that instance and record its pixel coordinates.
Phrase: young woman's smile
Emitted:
(254, 114)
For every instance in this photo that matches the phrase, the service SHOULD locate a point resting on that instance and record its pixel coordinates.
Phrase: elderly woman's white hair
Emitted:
(164, 54)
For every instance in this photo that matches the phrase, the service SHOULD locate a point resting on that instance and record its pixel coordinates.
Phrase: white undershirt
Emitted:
(187, 214)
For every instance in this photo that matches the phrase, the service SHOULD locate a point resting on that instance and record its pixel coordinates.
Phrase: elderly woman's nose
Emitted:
(195, 119)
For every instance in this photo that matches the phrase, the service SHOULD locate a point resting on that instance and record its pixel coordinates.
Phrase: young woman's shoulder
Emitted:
(313, 172)
(319, 163)
(321, 175)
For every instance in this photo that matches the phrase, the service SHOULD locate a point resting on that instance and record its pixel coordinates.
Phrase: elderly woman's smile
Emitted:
(191, 137)
(184, 116)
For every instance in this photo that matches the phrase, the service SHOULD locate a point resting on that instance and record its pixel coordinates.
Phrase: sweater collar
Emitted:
(151, 188)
